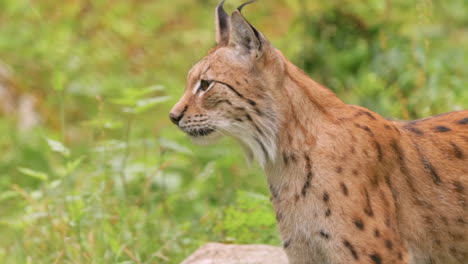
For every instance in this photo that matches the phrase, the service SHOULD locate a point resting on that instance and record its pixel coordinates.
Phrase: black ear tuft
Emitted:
(244, 4)
(257, 34)
(222, 25)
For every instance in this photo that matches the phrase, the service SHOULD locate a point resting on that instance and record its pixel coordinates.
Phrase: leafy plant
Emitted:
(105, 178)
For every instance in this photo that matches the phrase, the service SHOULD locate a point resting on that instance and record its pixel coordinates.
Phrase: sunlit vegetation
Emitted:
(100, 175)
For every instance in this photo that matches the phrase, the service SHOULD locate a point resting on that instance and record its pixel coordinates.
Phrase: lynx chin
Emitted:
(347, 185)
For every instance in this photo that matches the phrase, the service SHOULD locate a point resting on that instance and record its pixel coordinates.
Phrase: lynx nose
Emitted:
(175, 118)
(176, 115)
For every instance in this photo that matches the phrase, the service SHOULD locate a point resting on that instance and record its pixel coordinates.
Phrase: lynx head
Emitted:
(233, 90)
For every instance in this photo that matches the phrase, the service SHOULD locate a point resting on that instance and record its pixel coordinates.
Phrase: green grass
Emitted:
(105, 177)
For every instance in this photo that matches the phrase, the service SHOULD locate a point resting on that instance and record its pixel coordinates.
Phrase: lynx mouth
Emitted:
(204, 136)
(200, 132)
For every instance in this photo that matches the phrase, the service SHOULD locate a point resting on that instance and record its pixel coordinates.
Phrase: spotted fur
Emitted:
(347, 185)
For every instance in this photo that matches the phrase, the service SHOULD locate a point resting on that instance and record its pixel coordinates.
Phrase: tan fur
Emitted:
(347, 185)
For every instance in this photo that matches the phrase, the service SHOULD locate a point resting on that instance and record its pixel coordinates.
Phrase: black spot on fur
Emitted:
(326, 197)
(442, 129)
(359, 224)
(306, 184)
(259, 113)
(457, 151)
(296, 197)
(308, 166)
(376, 258)
(285, 158)
(414, 129)
(402, 163)
(239, 119)
(328, 212)
(388, 244)
(379, 150)
(362, 112)
(366, 128)
(377, 233)
(351, 249)
(249, 117)
(293, 157)
(368, 209)
(344, 188)
(428, 166)
(251, 102)
(370, 115)
(324, 235)
(464, 121)
(286, 243)
(309, 175)
(423, 203)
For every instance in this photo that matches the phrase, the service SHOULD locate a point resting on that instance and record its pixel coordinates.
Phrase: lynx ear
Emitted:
(222, 25)
(244, 36)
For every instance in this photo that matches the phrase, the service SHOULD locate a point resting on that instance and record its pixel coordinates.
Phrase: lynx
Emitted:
(347, 185)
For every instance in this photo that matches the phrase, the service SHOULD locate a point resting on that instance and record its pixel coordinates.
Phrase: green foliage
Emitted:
(106, 178)
(250, 220)
(387, 60)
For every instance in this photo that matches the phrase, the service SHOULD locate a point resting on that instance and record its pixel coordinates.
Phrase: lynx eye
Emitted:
(204, 84)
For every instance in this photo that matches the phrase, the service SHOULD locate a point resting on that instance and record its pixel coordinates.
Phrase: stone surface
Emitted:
(216, 253)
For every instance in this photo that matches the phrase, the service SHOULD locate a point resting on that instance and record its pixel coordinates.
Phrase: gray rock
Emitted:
(216, 253)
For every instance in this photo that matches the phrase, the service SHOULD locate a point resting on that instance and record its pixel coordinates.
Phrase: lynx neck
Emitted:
(308, 109)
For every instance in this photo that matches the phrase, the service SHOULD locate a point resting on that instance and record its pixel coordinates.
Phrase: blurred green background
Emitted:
(91, 169)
